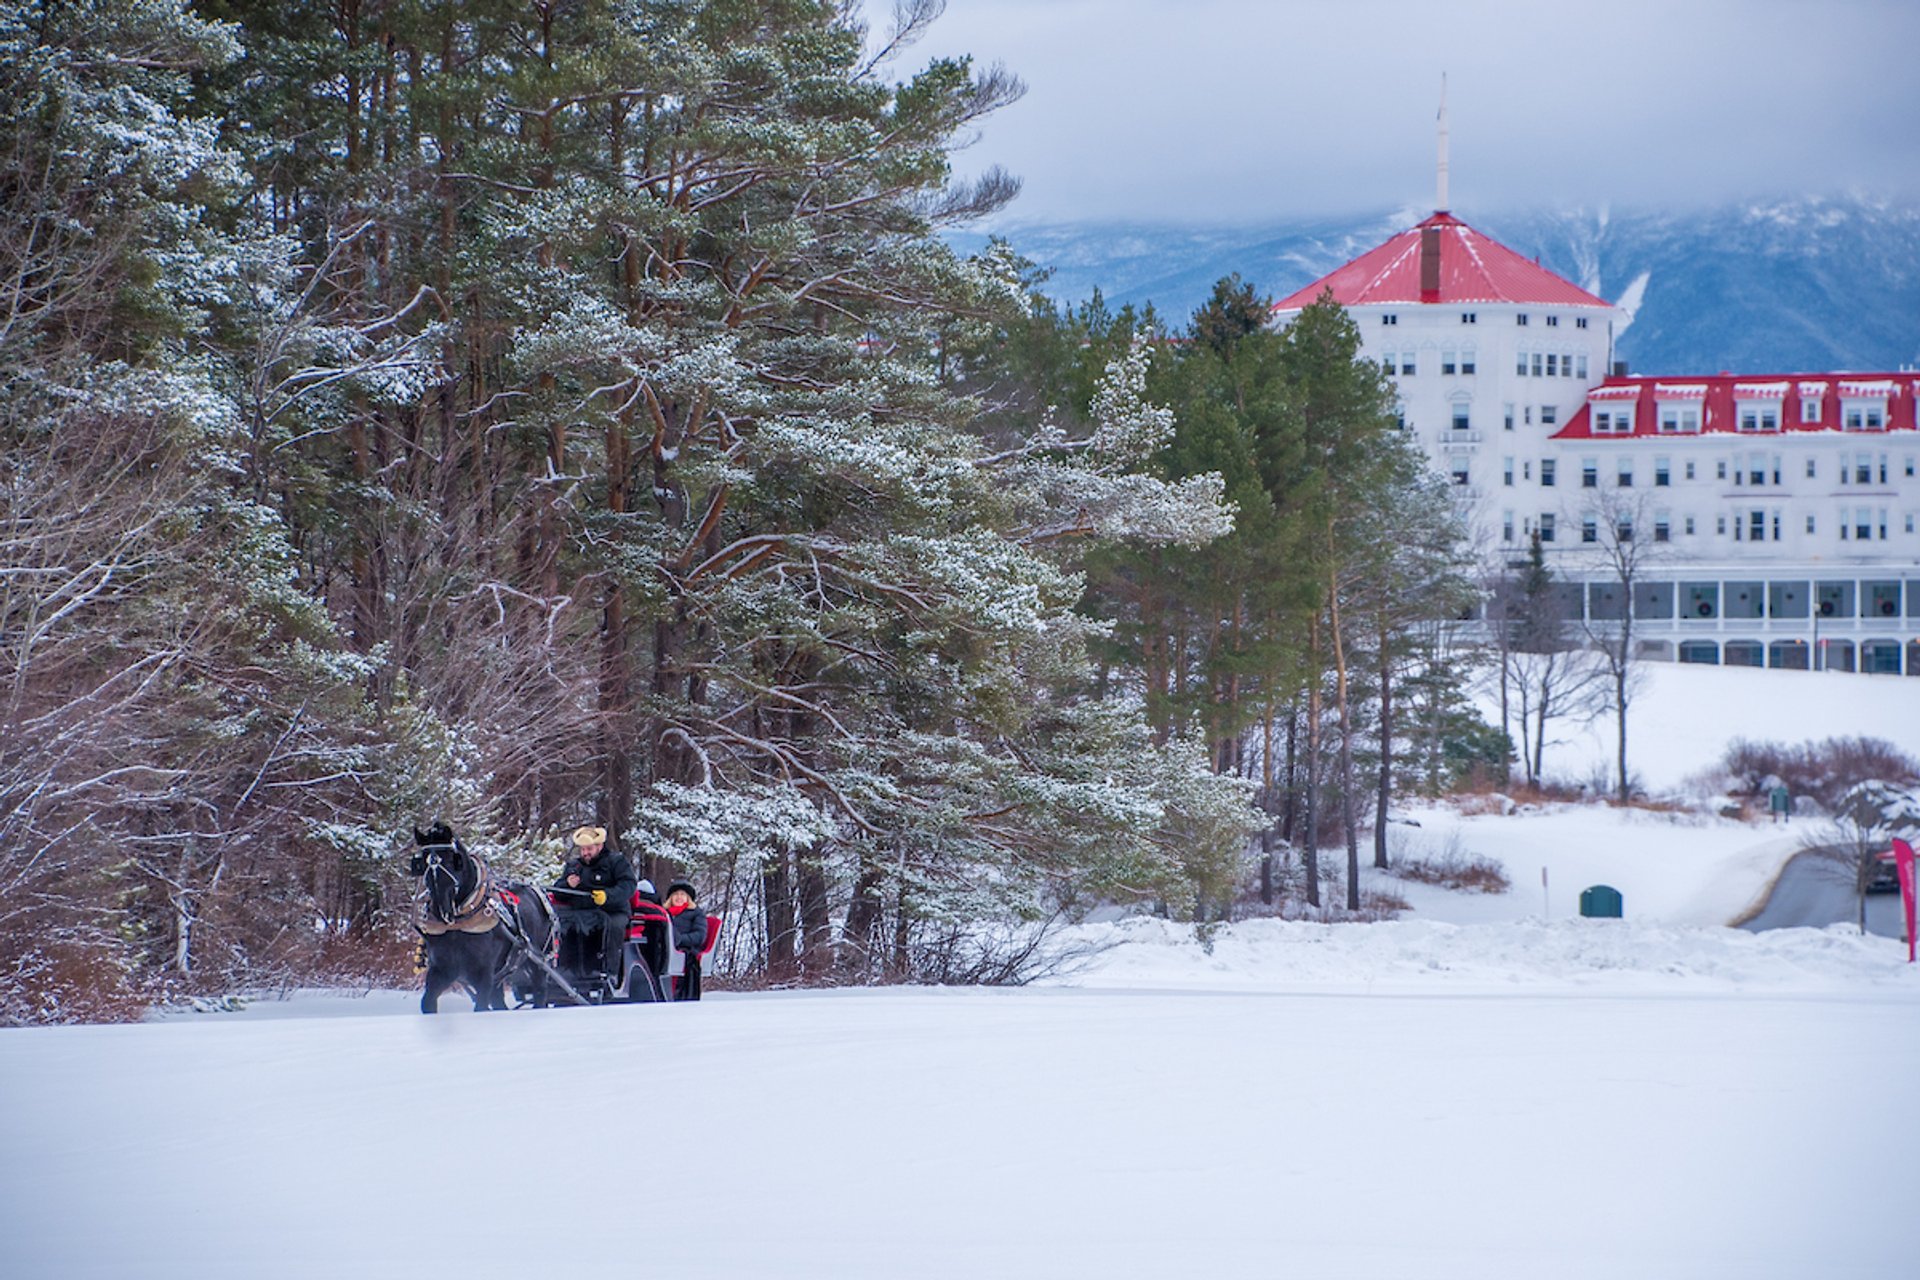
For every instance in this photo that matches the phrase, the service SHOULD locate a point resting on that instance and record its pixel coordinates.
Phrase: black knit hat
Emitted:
(680, 886)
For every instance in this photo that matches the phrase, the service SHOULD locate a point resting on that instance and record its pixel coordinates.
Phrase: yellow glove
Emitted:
(599, 897)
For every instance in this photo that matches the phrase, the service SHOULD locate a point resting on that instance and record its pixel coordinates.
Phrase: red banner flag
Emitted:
(1902, 858)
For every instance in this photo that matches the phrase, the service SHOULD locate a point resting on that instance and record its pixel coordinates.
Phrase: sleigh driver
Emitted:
(593, 899)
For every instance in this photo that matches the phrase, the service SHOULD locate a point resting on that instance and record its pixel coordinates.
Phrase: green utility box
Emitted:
(1601, 900)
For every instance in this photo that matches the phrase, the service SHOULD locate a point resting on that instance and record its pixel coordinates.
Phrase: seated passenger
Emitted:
(654, 947)
(689, 935)
(593, 900)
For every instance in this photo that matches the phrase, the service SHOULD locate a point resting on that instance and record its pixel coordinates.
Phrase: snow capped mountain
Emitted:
(1816, 283)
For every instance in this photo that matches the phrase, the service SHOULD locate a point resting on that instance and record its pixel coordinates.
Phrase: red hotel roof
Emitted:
(1722, 395)
(1473, 268)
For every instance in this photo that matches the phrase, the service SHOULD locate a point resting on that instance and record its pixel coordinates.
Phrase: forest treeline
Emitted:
(533, 414)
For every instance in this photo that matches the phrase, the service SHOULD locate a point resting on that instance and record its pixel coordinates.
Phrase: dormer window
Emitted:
(1759, 417)
(1809, 409)
(1613, 420)
(1756, 405)
(1863, 415)
(1680, 419)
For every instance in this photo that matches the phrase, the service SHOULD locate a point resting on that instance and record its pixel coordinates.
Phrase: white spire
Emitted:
(1443, 206)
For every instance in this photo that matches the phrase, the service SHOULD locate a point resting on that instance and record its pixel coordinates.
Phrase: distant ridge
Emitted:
(1778, 287)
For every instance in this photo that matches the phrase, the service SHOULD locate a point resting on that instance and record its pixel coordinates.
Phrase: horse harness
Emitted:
(473, 913)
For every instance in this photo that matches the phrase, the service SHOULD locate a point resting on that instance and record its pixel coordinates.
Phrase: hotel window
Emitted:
(1689, 471)
(1466, 362)
(1623, 478)
(1506, 526)
(1589, 474)
(1510, 425)
(1580, 322)
(1546, 473)
(1662, 529)
(1756, 526)
(1811, 469)
(1680, 418)
(1389, 363)
(1689, 526)
(1720, 469)
(1460, 474)
(1623, 531)
(1460, 419)
(1553, 322)
(1549, 414)
(1809, 409)
(1389, 319)
(1582, 360)
(1553, 365)
(1759, 417)
(1909, 466)
(1864, 417)
(1521, 319)
(1506, 472)
(1520, 364)
(1809, 524)
(1407, 363)
(1662, 473)
(1589, 531)
(1447, 363)
(1538, 364)
(1776, 526)
(1546, 526)
(1616, 420)
(1468, 317)
(1720, 525)
(1910, 529)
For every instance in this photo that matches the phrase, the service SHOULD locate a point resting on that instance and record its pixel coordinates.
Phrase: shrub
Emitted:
(1456, 869)
(1824, 770)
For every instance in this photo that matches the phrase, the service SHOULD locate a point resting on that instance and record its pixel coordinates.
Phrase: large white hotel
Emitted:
(1774, 515)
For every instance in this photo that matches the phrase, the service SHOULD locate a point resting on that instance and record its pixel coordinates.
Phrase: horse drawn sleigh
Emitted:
(500, 937)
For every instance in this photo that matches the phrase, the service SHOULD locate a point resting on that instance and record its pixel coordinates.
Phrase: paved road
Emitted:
(1813, 890)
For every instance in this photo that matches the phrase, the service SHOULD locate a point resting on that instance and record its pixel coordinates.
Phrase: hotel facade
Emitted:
(1771, 517)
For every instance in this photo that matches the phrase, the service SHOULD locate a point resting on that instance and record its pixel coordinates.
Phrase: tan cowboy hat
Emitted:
(590, 835)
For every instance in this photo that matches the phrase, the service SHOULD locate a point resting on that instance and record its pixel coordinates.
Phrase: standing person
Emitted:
(689, 934)
(593, 902)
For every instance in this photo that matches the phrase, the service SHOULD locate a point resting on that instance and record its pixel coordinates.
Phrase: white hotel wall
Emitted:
(1716, 503)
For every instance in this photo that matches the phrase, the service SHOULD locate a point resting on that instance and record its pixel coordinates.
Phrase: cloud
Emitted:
(1232, 110)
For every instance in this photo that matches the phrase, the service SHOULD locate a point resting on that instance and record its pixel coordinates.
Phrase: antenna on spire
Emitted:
(1442, 206)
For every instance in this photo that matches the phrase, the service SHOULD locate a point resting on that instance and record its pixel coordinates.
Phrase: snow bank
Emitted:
(1421, 955)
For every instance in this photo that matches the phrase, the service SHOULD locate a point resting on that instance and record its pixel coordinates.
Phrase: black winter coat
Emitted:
(690, 930)
(609, 870)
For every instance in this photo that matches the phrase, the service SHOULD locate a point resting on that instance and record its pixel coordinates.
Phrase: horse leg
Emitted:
(437, 982)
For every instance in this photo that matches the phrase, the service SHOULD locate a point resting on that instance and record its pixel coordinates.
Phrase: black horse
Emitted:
(466, 939)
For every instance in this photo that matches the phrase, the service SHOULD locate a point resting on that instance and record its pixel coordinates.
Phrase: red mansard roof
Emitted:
(1721, 395)
(1473, 269)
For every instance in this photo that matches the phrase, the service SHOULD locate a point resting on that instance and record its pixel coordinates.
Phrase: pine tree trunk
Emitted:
(1383, 793)
(1348, 821)
(776, 887)
(1311, 836)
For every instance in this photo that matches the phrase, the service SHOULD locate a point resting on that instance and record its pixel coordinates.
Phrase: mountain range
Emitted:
(1817, 284)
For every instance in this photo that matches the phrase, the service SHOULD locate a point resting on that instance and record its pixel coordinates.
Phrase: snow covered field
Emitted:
(1487, 1088)
(1403, 1105)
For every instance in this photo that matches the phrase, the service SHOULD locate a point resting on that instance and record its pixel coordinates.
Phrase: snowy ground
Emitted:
(1488, 1088)
(1685, 715)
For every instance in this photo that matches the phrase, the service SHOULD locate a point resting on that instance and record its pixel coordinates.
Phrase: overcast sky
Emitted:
(1243, 110)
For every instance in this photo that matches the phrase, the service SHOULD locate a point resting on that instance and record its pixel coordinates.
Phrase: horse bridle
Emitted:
(437, 865)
